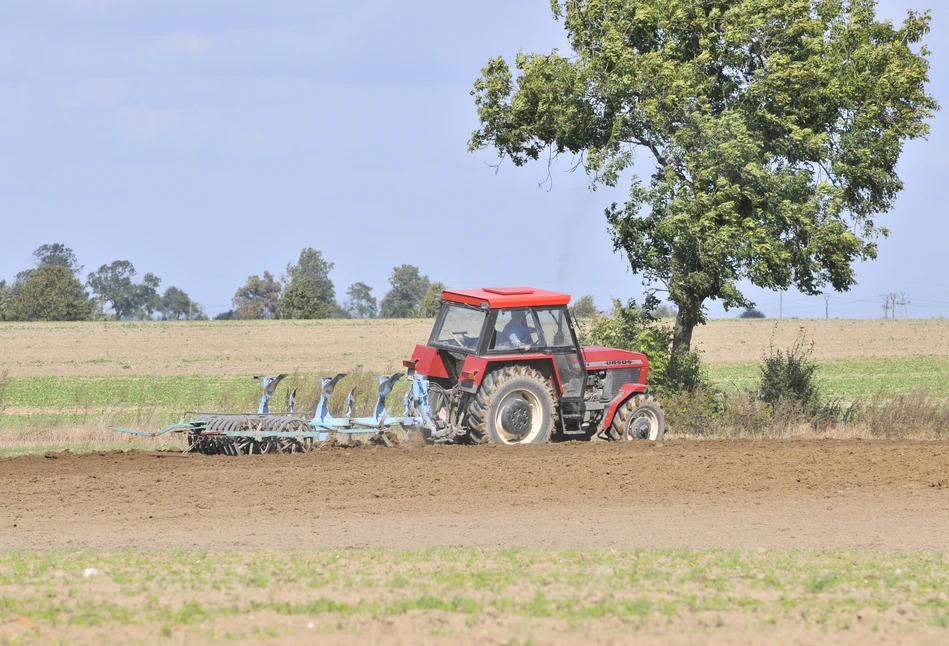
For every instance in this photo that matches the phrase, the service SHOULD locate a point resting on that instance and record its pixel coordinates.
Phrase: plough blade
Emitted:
(246, 434)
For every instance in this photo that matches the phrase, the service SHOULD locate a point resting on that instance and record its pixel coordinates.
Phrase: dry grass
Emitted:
(915, 415)
(258, 347)
(207, 347)
(744, 340)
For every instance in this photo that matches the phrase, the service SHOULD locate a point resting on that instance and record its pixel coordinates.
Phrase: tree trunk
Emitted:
(689, 315)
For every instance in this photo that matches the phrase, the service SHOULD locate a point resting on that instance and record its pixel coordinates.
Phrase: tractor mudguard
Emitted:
(427, 361)
(476, 368)
(625, 392)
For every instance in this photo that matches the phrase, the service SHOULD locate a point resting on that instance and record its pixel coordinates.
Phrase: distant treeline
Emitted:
(53, 290)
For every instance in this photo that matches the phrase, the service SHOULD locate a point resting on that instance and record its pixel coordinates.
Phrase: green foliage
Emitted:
(229, 315)
(5, 295)
(258, 298)
(361, 304)
(790, 378)
(404, 300)
(752, 313)
(432, 303)
(176, 303)
(664, 311)
(310, 293)
(774, 128)
(114, 285)
(584, 308)
(59, 255)
(48, 293)
(629, 328)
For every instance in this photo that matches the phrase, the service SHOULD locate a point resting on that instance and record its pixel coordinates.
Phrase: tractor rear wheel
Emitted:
(515, 405)
(639, 418)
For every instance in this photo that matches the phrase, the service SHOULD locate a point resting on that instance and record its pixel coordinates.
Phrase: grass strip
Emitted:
(180, 588)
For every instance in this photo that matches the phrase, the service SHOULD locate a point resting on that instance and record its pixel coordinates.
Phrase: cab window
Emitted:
(556, 330)
(459, 327)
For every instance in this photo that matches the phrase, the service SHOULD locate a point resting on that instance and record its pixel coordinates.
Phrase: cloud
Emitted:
(147, 124)
(189, 44)
(91, 93)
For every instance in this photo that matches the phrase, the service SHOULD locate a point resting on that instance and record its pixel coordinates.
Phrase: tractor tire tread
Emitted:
(477, 410)
(617, 428)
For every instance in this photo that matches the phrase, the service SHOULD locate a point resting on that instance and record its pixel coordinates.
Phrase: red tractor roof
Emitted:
(497, 297)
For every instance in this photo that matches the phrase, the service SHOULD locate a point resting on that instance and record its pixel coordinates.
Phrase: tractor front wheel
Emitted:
(515, 405)
(639, 418)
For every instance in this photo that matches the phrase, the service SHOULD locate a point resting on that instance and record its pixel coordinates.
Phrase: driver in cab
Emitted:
(517, 333)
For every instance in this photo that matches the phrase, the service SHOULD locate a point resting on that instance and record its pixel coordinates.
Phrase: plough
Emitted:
(246, 434)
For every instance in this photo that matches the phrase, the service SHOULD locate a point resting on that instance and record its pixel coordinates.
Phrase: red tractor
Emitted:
(504, 365)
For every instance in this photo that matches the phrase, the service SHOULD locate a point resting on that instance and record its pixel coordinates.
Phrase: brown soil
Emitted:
(783, 494)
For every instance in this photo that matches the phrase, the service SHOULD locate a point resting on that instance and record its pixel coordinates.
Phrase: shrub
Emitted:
(3, 388)
(752, 313)
(789, 378)
(630, 328)
(914, 414)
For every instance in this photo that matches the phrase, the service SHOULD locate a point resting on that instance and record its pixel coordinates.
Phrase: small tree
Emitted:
(584, 308)
(176, 303)
(664, 311)
(115, 285)
(431, 302)
(4, 300)
(226, 316)
(258, 298)
(310, 293)
(361, 304)
(751, 313)
(404, 300)
(48, 293)
(148, 296)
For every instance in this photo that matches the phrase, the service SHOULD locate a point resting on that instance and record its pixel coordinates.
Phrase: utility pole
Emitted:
(904, 311)
(826, 306)
(886, 305)
(780, 303)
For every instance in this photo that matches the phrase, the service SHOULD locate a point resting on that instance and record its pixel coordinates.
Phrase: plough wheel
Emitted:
(515, 405)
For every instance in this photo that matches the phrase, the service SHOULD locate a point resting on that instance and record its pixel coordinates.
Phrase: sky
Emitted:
(209, 141)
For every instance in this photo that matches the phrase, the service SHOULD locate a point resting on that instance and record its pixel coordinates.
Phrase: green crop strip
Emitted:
(855, 378)
(639, 586)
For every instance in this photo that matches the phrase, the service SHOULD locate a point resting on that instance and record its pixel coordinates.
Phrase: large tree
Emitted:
(310, 293)
(258, 298)
(772, 129)
(404, 300)
(115, 284)
(48, 293)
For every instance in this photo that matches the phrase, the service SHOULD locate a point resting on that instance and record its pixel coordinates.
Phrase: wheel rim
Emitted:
(642, 425)
(519, 417)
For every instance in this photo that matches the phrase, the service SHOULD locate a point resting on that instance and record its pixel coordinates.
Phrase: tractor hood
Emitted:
(598, 358)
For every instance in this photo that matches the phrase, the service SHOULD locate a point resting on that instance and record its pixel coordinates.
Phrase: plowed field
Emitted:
(837, 542)
(782, 494)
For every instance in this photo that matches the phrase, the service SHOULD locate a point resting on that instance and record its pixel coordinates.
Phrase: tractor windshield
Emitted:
(458, 326)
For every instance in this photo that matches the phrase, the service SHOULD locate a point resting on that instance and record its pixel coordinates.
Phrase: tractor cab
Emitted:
(484, 338)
